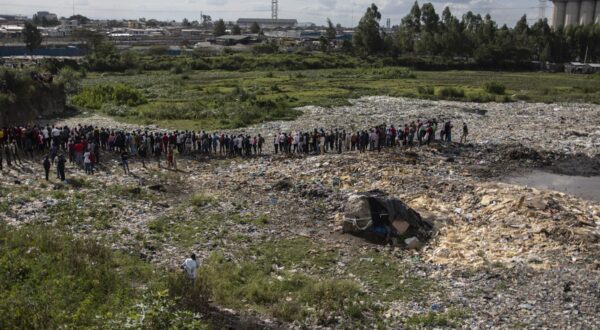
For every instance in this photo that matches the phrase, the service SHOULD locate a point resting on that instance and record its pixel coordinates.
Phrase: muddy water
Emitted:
(579, 186)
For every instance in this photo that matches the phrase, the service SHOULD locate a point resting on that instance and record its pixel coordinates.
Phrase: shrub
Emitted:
(51, 280)
(452, 92)
(120, 94)
(426, 90)
(201, 200)
(494, 87)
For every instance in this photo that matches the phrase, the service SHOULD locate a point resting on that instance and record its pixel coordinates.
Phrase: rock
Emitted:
(284, 184)
(526, 306)
(537, 203)
(486, 200)
(157, 187)
(400, 226)
(412, 243)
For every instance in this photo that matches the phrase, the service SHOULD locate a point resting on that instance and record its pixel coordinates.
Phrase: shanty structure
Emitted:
(575, 12)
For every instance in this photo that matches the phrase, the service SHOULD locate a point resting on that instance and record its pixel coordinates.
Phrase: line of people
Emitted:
(83, 145)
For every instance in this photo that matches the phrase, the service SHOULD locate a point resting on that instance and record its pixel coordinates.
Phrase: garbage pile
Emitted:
(379, 217)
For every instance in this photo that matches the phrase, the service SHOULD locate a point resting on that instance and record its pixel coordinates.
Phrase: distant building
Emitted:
(12, 19)
(11, 31)
(229, 40)
(52, 32)
(134, 25)
(267, 23)
(46, 15)
(585, 68)
(68, 26)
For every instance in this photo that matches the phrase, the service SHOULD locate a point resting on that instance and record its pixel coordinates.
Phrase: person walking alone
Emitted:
(60, 167)
(190, 265)
(463, 137)
(47, 167)
(125, 161)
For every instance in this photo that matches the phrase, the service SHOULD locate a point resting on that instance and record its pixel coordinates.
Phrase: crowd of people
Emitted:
(85, 145)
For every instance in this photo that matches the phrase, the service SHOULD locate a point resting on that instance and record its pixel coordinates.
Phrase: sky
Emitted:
(345, 12)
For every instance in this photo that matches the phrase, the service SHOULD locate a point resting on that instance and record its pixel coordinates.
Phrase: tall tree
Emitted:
(413, 20)
(220, 28)
(367, 38)
(32, 37)
(92, 38)
(80, 19)
(235, 30)
(330, 32)
(429, 18)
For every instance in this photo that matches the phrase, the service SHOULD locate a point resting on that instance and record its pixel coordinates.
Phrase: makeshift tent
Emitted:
(378, 215)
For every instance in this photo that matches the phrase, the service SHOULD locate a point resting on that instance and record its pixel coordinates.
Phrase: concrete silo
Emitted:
(560, 9)
(586, 12)
(572, 15)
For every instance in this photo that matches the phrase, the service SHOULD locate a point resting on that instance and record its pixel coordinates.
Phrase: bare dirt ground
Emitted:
(506, 256)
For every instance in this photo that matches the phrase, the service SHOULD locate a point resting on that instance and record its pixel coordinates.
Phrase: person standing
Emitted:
(143, 153)
(261, 141)
(448, 131)
(463, 138)
(60, 167)
(46, 167)
(7, 153)
(125, 160)
(170, 157)
(190, 265)
(87, 162)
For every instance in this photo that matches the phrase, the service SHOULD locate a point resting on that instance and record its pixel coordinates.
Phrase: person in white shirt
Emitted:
(190, 265)
(87, 161)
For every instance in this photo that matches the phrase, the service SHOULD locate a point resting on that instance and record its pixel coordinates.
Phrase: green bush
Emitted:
(426, 90)
(289, 296)
(49, 280)
(393, 73)
(452, 93)
(120, 94)
(494, 87)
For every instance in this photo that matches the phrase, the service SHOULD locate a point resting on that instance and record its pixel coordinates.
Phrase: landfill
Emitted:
(510, 255)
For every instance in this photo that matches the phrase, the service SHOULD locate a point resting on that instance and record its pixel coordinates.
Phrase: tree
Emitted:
(90, 37)
(206, 20)
(413, 19)
(80, 19)
(255, 28)
(367, 38)
(324, 44)
(32, 37)
(235, 30)
(186, 23)
(429, 18)
(220, 28)
(152, 23)
(330, 32)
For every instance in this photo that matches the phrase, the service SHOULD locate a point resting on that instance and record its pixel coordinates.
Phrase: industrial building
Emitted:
(575, 12)
(267, 23)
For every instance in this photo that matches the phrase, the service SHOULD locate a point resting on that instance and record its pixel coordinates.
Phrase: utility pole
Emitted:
(274, 9)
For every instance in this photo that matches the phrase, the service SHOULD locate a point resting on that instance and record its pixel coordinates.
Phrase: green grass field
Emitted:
(231, 99)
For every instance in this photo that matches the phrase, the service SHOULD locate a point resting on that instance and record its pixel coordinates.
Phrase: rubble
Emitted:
(507, 254)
